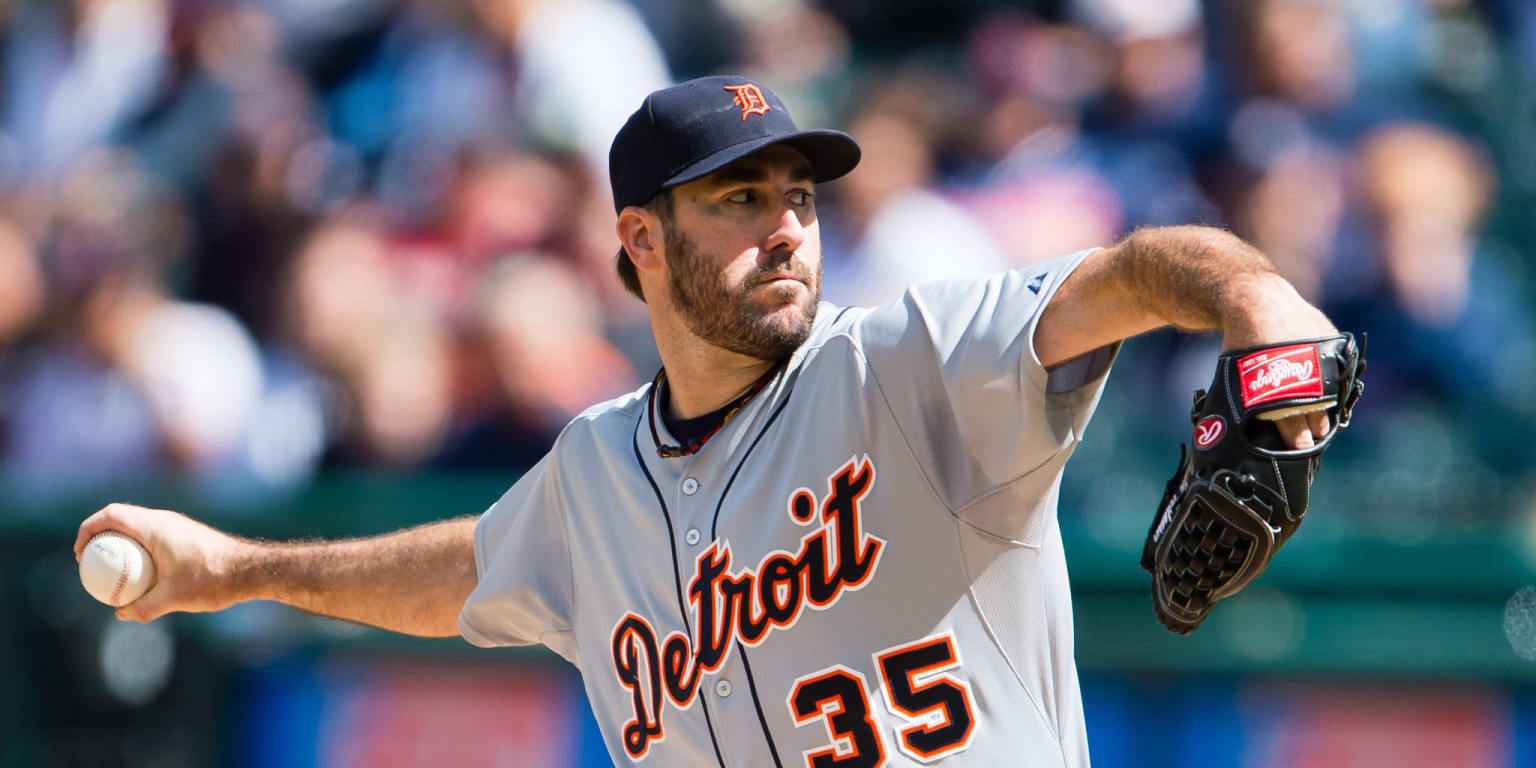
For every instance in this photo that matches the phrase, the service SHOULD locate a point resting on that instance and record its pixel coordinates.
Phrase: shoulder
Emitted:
(959, 300)
(925, 305)
(979, 318)
(833, 320)
(609, 423)
(836, 326)
(627, 405)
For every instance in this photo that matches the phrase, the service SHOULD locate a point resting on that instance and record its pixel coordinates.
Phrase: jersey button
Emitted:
(723, 688)
(690, 486)
(692, 536)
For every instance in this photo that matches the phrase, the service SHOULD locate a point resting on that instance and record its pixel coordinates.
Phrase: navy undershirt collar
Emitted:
(693, 433)
(689, 430)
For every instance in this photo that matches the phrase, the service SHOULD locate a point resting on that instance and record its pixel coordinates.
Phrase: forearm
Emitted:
(413, 581)
(1203, 279)
(1195, 278)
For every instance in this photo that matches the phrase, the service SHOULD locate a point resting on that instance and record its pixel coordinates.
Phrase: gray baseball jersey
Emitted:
(862, 568)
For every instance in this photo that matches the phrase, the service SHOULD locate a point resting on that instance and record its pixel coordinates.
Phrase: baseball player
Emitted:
(822, 536)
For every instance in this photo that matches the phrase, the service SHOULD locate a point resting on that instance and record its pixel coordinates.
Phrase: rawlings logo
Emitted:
(1280, 373)
(837, 556)
(750, 98)
(1209, 431)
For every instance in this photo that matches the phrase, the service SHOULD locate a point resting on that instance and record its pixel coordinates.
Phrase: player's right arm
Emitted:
(412, 581)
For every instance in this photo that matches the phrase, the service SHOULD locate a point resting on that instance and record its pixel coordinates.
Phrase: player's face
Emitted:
(744, 254)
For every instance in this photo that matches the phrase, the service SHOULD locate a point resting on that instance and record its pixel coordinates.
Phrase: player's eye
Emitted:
(800, 197)
(741, 196)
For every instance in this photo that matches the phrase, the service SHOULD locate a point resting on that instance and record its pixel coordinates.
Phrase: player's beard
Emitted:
(723, 315)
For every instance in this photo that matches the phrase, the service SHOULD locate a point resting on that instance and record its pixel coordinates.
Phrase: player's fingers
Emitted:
(139, 613)
(138, 523)
(150, 606)
(1295, 431)
(1317, 421)
(108, 518)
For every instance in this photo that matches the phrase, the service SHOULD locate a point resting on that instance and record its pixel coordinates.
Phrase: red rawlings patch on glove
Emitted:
(1280, 373)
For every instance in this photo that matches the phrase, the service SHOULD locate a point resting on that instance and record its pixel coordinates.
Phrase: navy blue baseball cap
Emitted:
(693, 129)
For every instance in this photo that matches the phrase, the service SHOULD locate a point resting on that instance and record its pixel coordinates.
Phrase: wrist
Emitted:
(1266, 309)
(245, 570)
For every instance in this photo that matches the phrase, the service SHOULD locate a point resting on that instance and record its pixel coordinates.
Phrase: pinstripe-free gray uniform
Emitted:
(862, 568)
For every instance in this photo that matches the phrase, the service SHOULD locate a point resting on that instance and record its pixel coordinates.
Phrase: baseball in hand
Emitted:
(116, 569)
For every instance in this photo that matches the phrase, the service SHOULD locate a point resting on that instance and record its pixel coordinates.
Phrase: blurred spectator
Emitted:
(239, 236)
(128, 379)
(906, 232)
(1050, 212)
(1516, 21)
(1325, 71)
(1040, 194)
(590, 241)
(803, 50)
(581, 65)
(78, 72)
(21, 303)
(1449, 321)
(510, 203)
(21, 285)
(340, 291)
(400, 393)
(1293, 212)
(1159, 70)
(1427, 190)
(431, 80)
(893, 26)
(1162, 110)
(699, 38)
(541, 329)
(1298, 68)
(1035, 78)
(1300, 52)
(385, 354)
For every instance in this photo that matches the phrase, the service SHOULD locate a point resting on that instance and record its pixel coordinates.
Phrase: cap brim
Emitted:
(832, 154)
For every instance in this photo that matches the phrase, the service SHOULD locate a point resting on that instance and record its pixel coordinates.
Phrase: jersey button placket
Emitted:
(692, 536)
(690, 486)
(723, 688)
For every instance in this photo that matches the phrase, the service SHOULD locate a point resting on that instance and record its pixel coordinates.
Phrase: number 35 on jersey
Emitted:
(919, 688)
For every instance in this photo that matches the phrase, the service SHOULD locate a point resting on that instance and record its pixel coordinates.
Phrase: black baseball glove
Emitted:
(1240, 492)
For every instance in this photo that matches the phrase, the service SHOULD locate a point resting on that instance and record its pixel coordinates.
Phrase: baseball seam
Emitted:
(122, 581)
(122, 578)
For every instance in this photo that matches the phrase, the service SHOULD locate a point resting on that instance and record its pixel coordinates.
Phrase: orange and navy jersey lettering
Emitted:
(837, 557)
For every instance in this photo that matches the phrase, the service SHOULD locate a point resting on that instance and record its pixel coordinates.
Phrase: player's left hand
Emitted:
(1303, 430)
(1275, 314)
(1241, 489)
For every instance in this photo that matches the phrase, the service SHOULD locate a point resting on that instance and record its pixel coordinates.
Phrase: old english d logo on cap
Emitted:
(750, 98)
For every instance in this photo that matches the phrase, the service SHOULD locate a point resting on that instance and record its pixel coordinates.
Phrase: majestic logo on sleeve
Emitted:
(1280, 373)
(837, 556)
(750, 98)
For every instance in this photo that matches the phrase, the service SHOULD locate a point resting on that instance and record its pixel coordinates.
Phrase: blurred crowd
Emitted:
(243, 241)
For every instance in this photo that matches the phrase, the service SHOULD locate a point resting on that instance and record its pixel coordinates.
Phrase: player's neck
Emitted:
(700, 376)
(694, 390)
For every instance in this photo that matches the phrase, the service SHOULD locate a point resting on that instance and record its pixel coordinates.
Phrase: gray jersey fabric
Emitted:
(863, 565)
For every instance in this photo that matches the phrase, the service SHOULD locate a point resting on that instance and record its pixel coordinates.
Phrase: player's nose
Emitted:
(788, 232)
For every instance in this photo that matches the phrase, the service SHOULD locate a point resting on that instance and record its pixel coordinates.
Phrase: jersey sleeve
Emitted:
(524, 595)
(956, 364)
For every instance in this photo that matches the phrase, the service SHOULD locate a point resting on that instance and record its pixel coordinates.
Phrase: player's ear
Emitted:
(640, 234)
